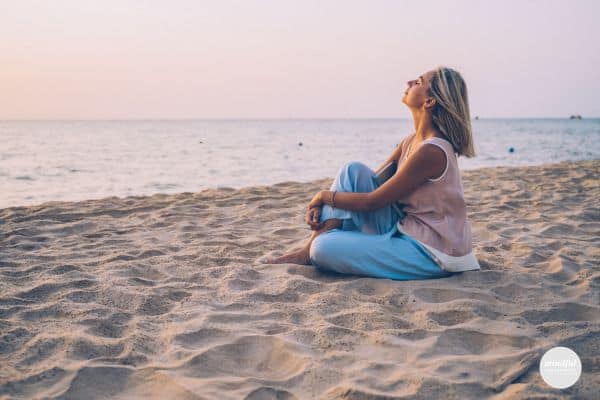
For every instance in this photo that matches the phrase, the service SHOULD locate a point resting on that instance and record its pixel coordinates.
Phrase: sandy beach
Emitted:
(160, 297)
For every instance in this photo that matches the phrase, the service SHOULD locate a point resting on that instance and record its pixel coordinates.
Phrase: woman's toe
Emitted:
(268, 258)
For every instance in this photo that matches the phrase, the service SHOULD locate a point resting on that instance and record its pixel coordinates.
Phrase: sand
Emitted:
(161, 297)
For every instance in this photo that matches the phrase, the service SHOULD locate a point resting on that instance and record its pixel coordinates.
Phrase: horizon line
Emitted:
(254, 119)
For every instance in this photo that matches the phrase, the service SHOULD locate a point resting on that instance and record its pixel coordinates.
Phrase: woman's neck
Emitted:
(424, 127)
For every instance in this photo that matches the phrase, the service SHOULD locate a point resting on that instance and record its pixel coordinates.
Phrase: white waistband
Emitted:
(449, 263)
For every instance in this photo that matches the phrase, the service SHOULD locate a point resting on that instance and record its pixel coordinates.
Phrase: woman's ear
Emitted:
(429, 103)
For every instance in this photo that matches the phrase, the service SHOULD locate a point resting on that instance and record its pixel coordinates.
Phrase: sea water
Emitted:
(76, 160)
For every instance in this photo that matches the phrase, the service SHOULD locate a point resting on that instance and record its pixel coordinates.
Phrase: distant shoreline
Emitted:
(232, 119)
(464, 173)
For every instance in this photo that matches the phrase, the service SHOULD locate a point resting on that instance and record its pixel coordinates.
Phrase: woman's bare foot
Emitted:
(300, 256)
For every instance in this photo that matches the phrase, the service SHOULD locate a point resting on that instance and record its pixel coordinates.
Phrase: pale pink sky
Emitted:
(292, 59)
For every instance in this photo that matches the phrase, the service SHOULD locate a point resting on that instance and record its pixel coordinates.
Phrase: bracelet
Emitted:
(333, 199)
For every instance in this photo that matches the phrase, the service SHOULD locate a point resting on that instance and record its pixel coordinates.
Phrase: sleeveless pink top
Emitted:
(436, 213)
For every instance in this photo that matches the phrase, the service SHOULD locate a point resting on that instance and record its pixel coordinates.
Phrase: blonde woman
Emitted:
(356, 228)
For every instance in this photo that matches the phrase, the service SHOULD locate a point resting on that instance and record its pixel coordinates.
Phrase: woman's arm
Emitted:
(425, 163)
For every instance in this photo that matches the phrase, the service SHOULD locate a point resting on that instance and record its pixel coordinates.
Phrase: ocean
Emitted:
(76, 160)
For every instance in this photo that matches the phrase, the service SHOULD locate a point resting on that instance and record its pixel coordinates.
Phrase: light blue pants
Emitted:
(369, 243)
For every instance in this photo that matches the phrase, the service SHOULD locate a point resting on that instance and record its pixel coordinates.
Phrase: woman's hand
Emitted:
(314, 211)
(312, 218)
(317, 200)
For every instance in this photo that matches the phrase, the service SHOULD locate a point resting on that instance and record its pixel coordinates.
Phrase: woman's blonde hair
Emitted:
(451, 113)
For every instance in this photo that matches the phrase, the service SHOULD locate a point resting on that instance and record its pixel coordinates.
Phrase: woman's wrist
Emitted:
(328, 197)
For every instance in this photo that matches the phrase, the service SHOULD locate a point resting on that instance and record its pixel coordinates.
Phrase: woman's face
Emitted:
(417, 92)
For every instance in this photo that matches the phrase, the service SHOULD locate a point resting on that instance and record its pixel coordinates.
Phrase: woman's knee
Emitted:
(355, 176)
(356, 167)
(321, 250)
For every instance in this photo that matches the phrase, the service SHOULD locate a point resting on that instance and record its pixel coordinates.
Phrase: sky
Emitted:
(139, 59)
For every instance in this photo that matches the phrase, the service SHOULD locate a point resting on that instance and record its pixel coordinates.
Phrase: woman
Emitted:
(356, 229)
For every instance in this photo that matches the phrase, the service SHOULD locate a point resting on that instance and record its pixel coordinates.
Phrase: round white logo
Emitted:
(560, 367)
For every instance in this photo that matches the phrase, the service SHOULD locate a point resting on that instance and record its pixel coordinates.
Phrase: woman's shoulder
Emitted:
(406, 141)
(441, 140)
